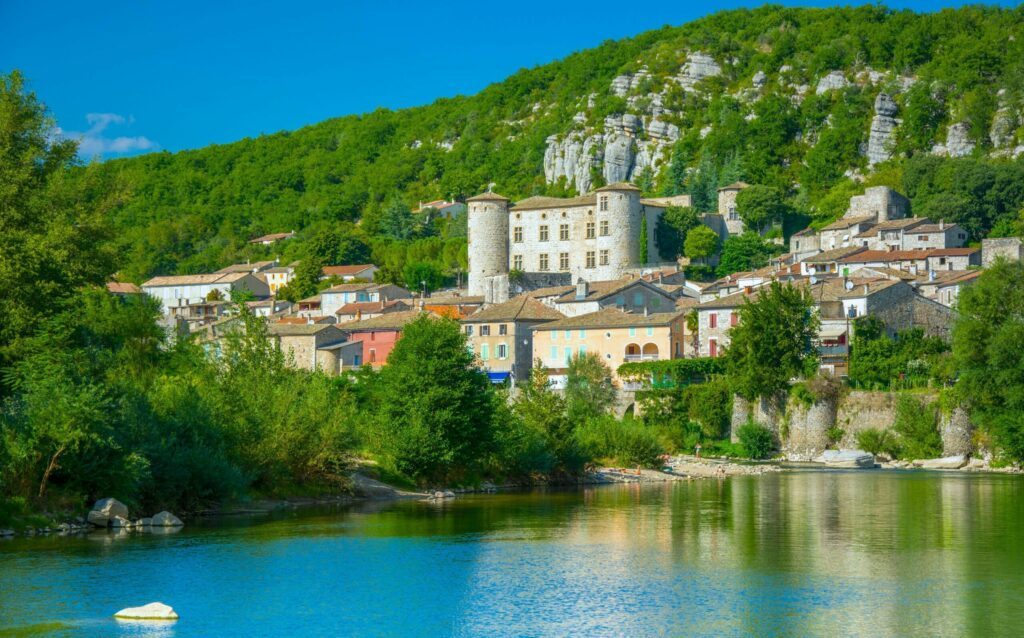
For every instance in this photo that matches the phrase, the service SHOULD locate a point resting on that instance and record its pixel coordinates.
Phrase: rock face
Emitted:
(697, 67)
(834, 80)
(945, 463)
(759, 79)
(1003, 126)
(852, 459)
(166, 519)
(958, 141)
(152, 611)
(627, 82)
(883, 127)
(957, 433)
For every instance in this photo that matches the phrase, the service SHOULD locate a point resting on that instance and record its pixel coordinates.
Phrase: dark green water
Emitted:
(795, 554)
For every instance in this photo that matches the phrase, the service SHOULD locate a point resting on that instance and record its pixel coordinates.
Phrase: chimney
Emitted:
(942, 224)
(359, 314)
(661, 276)
(865, 290)
(931, 275)
(646, 311)
(582, 289)
(748, 290)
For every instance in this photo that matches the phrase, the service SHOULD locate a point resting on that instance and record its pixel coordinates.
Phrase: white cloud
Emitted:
(94, 141)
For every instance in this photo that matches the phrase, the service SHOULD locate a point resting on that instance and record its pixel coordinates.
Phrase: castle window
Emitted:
(590, 259)
(543, 233)
(604, 257)
(602, 203)
(590, 230)
(517, 234)
(563, 232)
(543, 263)
(733, 215)
(517, 262)
(563, 261)
(604, 228)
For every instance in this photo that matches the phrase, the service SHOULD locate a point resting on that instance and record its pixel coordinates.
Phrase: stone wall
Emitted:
(1009, 248)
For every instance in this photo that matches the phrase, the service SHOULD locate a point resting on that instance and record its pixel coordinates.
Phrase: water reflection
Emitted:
(797, 553)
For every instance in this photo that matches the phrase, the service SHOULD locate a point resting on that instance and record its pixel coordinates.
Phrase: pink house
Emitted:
(378, 336)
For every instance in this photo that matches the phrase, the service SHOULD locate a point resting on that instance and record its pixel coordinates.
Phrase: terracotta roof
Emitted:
(389, 321)
(341, 271)
(836, 254)
(734, 300)
(196, 280)
(538, 202)
(550, 291)
(894, 224)
(488, 197)
(618, 186)
(454, 300)
(935, 228)
(612, 318)
(806, 231)
(246, 268)
(371, 307)
(300, 320)
(289, 329)
(862, 288)
(907, 255)
(313, 299)
(522, 308)
(600, 289)
(846, 222)
(349, 288)
(948, 278)
(735, 186)
(271, 237)
(122, 288)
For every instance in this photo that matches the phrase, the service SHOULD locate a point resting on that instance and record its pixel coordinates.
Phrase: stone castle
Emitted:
(593, 237)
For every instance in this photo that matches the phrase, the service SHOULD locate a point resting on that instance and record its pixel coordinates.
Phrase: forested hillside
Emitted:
(812, 102)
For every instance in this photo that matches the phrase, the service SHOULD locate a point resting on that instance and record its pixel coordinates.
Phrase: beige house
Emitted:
(501, 336)
(615, 336)
(632, 295)
(279, 277)
(313, 346)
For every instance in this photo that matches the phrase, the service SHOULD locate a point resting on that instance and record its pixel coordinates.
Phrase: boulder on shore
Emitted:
(120, 521)
(152, 611)
(846, 459)
(954, 462)
(111, 507)
(99, 519)
(166, 519)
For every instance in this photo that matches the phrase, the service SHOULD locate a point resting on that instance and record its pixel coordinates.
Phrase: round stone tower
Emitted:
(487, 239)
(623, 211)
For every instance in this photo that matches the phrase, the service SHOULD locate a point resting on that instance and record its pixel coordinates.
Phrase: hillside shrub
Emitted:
(756, 440)
(628, 442)
(916, 425)
(878, 442)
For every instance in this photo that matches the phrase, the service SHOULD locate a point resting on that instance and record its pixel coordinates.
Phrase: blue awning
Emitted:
(498, 377)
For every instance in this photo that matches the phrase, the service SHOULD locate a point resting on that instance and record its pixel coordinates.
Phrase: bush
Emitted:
(915, 423)
(878, 442)
(628, 442)
(756, 440)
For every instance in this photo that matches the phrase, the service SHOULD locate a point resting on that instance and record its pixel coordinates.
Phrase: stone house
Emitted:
(727, 206)
(633, 295)
(178, 291)
(888, 235)
(914, 261)
(501, 336)
(934, 236)
(333, 298)
(1009, 248)
(945, 287)
(615, 336)
(842, 233)
(829, 262)
(314, 346)
(881, 203)
(804, 244)
(269, 307)
(377, 336)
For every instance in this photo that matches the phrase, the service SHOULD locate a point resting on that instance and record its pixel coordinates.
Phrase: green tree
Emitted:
(773, 341)
(672, 228)
(760, 206)
(644, 237)
(434, 407)
(53, 234)
(397, 222)
(588, 387)
(988, 337)
(701, 243)
(546, 411)
(745, 252)
(422, 274)
(337, 245)
(306, 282)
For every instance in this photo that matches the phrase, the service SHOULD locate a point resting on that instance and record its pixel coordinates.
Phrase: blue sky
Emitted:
(131, 77)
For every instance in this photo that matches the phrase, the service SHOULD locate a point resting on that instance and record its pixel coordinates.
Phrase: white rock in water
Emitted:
(945, 463)
(152, 611)
(846, 459)
(120, 521)
(98, 519)
(166, 519)
(111, 507)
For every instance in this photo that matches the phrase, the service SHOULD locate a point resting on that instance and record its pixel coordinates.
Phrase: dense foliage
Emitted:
(908, 360)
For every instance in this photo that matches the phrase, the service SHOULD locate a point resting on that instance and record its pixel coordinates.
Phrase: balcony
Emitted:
(632, 358)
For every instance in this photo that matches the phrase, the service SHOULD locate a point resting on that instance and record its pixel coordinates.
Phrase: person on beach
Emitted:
(696, 449)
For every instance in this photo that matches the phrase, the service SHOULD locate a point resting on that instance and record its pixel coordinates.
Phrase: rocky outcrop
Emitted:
(1003, 126)
(698, 66)
(883, 128)
(834, 80)
(624, 84)
(152, 611)
(107, 510)
(957, 433)
(958, 141)
(759, 79)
